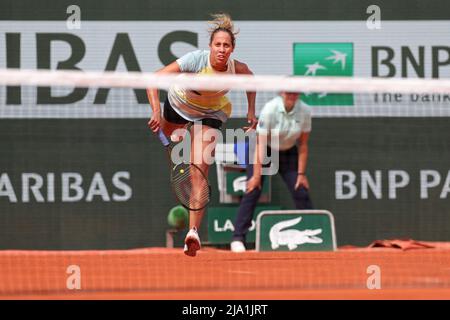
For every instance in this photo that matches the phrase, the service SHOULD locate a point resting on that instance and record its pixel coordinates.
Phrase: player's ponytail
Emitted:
(222, 22)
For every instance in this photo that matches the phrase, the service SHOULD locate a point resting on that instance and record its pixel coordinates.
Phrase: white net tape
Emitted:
(219, 82)
(334, 97)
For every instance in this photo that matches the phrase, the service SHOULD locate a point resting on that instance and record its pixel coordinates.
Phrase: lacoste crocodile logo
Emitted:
(292, 238)
(239, 184)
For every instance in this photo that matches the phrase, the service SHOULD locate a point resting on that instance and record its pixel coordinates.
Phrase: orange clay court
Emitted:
(160, 273)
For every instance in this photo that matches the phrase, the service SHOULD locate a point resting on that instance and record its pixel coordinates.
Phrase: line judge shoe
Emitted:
(192, 243)
(237, 246)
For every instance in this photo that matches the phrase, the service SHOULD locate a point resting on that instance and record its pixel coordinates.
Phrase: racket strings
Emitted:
(191, 187)
(184, 183)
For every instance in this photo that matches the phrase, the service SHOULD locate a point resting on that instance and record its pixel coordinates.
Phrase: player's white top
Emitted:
(199, 104)
(286, 125)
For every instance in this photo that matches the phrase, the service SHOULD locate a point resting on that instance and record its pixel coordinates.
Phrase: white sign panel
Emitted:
(398, 49)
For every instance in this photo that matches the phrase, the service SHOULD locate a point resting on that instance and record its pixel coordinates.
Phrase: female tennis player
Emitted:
(212, 109)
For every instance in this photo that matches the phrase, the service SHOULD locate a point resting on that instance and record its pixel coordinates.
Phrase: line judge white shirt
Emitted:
(288, 126)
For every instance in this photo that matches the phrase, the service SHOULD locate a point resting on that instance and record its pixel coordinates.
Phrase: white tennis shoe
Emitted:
(192, 243)
(237, 246)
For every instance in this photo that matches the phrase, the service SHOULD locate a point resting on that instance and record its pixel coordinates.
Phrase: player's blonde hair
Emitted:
(222, 22)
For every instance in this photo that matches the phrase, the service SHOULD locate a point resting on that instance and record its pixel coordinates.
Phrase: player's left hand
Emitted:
(302, 180)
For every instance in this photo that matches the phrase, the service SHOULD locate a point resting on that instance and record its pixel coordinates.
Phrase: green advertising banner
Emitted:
(104, 183)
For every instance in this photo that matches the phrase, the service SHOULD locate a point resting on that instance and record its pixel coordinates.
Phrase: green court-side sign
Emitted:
(295, 230)
(221, 223)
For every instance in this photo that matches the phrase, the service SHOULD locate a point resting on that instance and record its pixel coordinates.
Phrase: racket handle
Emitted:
(163, 138)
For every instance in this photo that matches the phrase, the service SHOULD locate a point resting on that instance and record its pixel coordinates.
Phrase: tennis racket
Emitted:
(189, 183)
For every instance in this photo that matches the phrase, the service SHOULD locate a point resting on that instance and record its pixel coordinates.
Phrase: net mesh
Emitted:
(84, 190)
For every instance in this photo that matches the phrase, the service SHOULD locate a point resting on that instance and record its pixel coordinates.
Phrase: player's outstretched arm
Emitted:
(153, 97)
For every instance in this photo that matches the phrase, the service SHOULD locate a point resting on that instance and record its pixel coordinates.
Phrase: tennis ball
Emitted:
(181, 170)
(178, 217)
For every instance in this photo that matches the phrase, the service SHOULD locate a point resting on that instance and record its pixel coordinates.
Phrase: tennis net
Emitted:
(84, 188)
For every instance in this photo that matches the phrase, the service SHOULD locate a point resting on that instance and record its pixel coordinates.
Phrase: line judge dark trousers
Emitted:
(288, 163)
